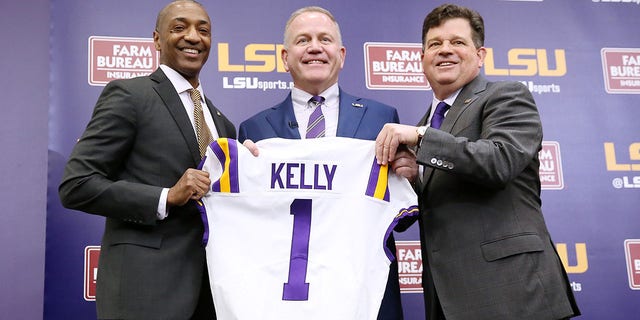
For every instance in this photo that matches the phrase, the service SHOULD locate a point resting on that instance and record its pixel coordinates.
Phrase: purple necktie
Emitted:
(438, 116)
(315, 128)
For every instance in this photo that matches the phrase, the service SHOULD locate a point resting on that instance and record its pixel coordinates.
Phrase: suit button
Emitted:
(439, 163)
(433, 160)
(450, 165)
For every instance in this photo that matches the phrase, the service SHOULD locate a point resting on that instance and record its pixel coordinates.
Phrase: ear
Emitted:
(156, 40)
(482, 53)
(343, 55)
(283, 55)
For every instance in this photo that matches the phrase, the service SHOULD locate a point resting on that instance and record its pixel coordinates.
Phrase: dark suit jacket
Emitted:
(357, 118)
(138, 141)
(486, 247)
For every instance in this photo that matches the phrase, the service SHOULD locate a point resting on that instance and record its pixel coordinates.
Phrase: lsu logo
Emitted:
(630, 163)
(527, 62)
(258, 57)
(578, 265)
(612, 162)
(91, 257)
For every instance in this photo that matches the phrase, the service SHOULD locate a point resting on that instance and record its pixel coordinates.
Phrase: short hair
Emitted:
(164, 10)
(300, 11)
(450, 11)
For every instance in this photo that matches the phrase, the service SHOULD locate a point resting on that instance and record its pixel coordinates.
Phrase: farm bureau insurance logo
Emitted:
(621, 70)
(632, 255)
(390, 66)
(550, 166)
(113, 58)
(409, 257)
(91, 257)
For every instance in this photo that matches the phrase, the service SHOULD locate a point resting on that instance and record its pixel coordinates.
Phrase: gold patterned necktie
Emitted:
(202, 130)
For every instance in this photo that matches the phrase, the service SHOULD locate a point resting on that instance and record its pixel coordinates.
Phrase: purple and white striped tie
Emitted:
(315, 128)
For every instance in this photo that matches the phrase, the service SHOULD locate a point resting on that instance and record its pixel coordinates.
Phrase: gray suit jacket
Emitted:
(486, 247)
(138, 141)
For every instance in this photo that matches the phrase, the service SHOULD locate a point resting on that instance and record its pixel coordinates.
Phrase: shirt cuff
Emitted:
(162, 204)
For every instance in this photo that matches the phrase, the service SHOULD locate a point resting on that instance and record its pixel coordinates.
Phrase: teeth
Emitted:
(315, 62)
(446, 63)
(190, 50)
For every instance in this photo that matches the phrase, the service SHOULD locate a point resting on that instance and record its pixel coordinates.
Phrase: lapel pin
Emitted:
(467, 101)
(357, 105)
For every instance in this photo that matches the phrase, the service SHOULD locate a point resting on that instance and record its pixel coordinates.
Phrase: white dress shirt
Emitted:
(330, 109)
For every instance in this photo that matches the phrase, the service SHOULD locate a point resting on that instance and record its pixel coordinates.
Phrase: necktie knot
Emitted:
(316, 101)
(195, 95)
(438, 115)
(316, 126)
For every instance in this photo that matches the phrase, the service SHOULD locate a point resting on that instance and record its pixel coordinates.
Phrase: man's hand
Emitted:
(405, 164)
(192, 185)
(391, 137)
(252, 147)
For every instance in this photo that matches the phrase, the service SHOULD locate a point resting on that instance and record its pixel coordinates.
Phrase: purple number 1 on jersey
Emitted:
(296, 288)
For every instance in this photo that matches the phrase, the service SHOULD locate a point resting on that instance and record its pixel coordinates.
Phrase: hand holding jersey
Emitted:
(299, 228)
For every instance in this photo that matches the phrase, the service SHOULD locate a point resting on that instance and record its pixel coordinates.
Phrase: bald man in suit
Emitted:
(135, 165)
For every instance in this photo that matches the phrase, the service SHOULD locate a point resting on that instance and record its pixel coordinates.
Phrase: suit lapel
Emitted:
(218, 119)
(350, 113)
(172, 102)
(464, 100)
(283, 120)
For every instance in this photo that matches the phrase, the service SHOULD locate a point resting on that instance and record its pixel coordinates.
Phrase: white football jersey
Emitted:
(299, 232)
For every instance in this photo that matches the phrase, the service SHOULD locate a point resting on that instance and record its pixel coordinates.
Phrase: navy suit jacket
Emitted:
(357, 118)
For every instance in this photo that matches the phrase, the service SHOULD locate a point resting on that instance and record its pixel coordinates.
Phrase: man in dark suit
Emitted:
(134, 164)
(486, 249)
(314, 55)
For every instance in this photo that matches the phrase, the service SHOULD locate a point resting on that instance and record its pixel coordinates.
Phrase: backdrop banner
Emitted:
(580, 59)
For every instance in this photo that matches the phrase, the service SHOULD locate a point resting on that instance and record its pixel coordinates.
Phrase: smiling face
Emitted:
(313, 52)
(450, 59)
(183, 37)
